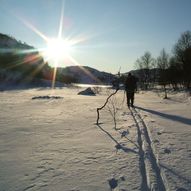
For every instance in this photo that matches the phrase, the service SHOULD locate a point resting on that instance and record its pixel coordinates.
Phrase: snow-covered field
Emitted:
(53, 143)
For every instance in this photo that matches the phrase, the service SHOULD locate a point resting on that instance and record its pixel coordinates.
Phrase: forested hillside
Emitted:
(20, 62)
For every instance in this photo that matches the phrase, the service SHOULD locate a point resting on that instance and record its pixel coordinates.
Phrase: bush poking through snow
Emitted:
(47, 97)
(100, 108)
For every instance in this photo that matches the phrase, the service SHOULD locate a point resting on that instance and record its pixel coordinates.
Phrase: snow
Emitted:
(54, 144)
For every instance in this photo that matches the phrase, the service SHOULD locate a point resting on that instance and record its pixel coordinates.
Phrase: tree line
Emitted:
(166, 69)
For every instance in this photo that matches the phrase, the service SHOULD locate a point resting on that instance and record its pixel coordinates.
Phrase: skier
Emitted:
(130, 88)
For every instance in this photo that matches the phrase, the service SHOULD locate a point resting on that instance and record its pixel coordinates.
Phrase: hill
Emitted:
(8, 44)
(19, 62)
(85, 74)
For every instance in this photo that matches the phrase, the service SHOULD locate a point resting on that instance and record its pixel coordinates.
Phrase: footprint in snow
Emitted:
(167, 151)
(113, 183)
(124, 133)
(122, 178)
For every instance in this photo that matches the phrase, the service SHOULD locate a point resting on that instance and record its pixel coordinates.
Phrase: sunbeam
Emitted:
(84, 70)
(28, 58)
(34, 29)
(61, 25)
(35, 71)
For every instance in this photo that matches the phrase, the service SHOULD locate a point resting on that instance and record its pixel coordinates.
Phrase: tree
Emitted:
(163, 65)
(174, 73)
(163, 60)
(182, 53)
(144, 64)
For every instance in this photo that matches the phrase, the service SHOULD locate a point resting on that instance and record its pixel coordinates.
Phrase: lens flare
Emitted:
(57, 49)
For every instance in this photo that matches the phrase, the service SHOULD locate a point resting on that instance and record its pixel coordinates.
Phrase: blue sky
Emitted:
(117, 31)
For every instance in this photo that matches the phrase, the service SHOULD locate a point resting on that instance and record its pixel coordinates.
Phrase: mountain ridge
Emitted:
(20, 62)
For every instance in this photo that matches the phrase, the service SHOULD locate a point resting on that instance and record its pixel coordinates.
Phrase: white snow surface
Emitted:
(55, 144)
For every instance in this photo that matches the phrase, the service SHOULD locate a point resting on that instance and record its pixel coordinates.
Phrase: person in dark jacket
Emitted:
(130, 88)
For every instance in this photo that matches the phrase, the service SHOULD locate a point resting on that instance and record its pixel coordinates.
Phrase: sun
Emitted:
(57, 49)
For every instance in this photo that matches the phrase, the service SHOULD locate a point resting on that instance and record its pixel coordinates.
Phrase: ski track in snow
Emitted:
(150, 169)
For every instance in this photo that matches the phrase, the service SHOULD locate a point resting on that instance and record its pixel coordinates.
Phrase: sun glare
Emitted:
(57, 49)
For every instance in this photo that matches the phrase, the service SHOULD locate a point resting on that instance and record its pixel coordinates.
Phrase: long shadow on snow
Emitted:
(118, 145)
(177, 118)
(144, 154)
(185, 179)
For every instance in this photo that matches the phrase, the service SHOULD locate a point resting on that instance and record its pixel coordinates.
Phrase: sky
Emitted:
(111, 34)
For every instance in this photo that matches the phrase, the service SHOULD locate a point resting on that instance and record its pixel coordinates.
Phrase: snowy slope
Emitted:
(54, 144)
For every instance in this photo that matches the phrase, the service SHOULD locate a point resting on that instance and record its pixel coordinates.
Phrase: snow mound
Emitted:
(47, 97)
(87, 91)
